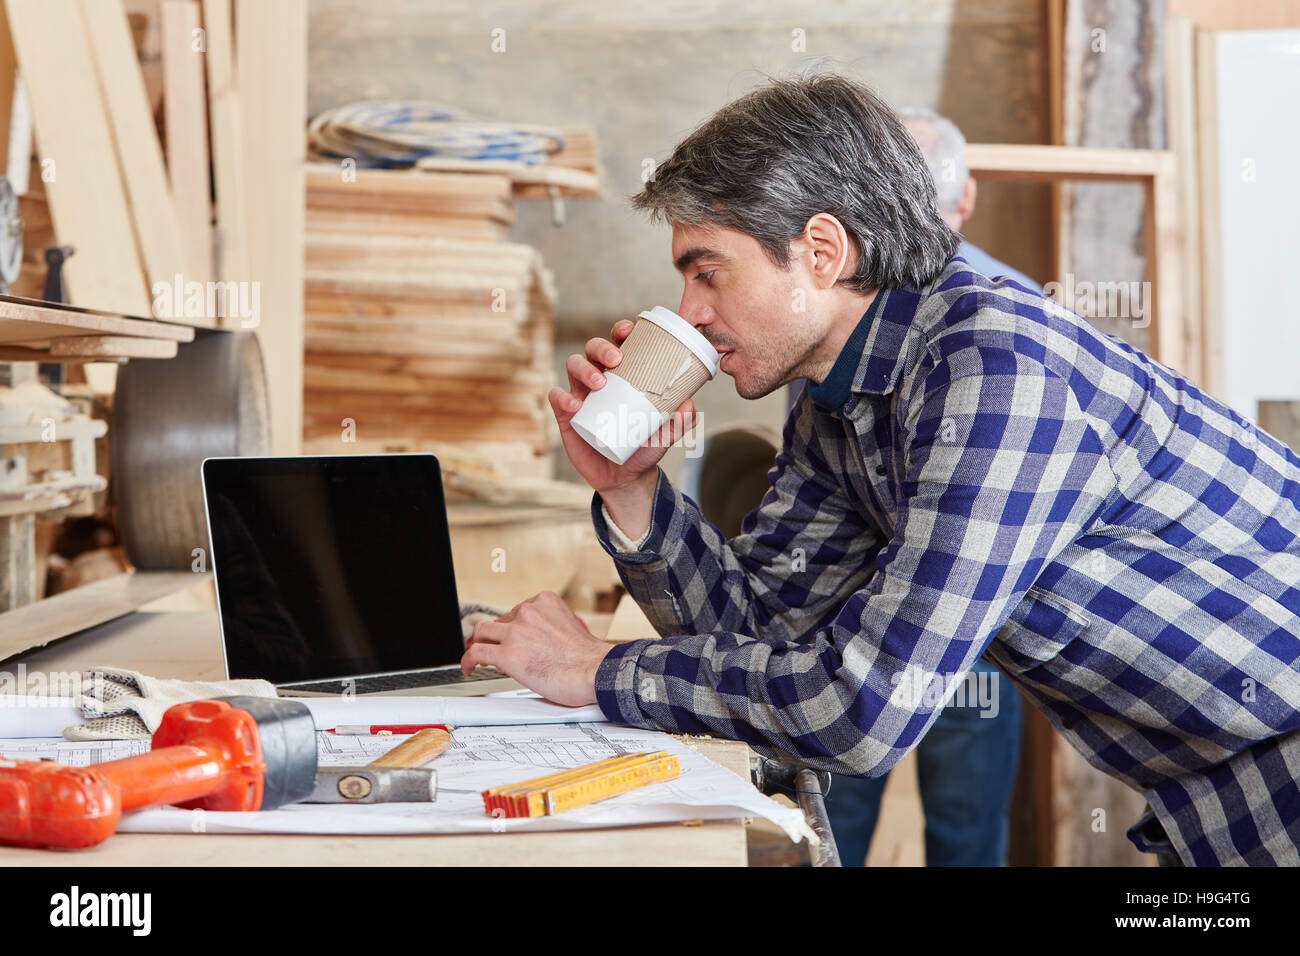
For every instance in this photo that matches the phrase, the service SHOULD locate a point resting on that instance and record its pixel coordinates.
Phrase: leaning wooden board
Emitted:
(88, 204)
(139, 153)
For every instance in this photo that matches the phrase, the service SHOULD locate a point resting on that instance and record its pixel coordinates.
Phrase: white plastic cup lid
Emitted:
(687, 334)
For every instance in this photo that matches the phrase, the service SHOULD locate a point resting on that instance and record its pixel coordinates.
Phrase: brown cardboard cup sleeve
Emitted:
(665, 361)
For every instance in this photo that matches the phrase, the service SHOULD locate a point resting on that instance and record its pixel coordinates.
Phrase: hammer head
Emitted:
(269, 746)
(374, 784)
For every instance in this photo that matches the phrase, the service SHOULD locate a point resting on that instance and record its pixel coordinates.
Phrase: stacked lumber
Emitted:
(423, 339)
(573, 172)
(381, 202)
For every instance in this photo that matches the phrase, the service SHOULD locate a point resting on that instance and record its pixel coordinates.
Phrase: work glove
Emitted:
(471, 613)
(124, 705)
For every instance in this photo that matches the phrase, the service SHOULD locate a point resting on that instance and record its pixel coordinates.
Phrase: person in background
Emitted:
(944, 148)
(966, 765)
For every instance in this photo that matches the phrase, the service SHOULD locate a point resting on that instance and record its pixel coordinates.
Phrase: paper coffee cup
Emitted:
(665, 361)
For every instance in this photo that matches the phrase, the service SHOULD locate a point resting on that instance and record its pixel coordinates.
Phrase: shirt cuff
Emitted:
(616, 684)
(616, 535)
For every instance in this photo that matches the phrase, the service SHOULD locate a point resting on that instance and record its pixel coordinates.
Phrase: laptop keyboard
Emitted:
(368, 685)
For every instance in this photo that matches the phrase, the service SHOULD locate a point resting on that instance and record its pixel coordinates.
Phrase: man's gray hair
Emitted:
(944, 148)
(768, 162)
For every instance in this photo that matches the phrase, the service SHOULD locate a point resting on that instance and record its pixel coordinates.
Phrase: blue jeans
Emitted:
(966, 766)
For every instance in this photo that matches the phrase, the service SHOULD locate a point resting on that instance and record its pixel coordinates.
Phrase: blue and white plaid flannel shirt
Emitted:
(1006, 480)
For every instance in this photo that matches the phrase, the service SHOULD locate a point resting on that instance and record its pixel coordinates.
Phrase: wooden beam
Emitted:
(8, 84)
(1019, 163)
(1210, 261)
(139, 154)
(272, 57)
(1181, 133)
(227, 153)
(88, 204)
(1157, 171)
(185, 102)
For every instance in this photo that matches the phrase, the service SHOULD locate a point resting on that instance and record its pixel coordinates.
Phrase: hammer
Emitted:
(391, 778)
(231, 753)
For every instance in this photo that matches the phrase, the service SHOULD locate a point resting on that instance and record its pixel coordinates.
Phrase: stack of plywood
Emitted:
(384, 202)
(422, 325)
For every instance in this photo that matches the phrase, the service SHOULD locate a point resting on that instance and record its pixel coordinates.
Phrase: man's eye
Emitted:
(706, 276)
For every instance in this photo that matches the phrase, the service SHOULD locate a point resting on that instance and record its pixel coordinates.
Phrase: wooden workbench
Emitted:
(186, 645)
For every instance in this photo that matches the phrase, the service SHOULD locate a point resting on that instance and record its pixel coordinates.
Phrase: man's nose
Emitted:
(696, 313)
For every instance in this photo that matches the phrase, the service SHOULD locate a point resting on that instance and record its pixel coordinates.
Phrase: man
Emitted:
(977, 470)
(944, 148)
(966, 764)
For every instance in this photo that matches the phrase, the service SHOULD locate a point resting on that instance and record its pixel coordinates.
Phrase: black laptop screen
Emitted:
(331, 567)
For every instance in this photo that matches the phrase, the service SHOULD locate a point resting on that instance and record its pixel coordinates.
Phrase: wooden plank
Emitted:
(36, 625)
(1210, 260)
(525, 178)
(8, 87)
(1019, 163)
(1180, 115)
(112, 346)
(28, 320)
(1255, 15)
(227, 151)
(272, 45)
(327, 179)
(88, 203)
(139, 154)
(1169, 331)
(185, 101)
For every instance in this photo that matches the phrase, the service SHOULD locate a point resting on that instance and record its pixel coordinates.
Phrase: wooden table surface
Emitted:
(186, 645)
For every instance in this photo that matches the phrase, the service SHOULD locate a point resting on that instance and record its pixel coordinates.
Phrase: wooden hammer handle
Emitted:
(418, 750)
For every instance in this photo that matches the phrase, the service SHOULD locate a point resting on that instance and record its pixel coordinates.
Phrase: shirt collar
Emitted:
(873, 358)
(833, 390)
(878, 358)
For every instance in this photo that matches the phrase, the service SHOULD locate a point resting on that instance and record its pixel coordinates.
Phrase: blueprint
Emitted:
(479, 758)
(47, 716)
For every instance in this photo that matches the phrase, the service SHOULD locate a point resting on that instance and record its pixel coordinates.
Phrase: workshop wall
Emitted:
(644, 76)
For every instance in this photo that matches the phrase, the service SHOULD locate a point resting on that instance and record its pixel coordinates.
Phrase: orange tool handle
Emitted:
(167, 776)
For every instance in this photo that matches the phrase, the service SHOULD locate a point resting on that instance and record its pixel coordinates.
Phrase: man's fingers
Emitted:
(563, 404)
(603, 353)
(584, 372)
(678, 424)
(486, 655)
(491, 632)
(622, 329)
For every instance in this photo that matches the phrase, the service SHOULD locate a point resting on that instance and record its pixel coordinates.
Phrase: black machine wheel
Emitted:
(209, 401)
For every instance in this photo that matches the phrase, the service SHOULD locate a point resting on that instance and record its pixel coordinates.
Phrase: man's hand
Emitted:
(628, 489)
(543, 645)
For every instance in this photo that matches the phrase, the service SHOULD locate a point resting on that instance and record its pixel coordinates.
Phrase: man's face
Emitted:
(746, 306)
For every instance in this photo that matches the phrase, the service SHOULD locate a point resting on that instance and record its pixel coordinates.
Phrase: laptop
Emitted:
(334, 576)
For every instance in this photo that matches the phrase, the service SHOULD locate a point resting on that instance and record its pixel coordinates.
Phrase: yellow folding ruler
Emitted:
(567, 789)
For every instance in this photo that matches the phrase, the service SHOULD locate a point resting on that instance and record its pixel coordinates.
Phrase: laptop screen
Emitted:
(331, 567)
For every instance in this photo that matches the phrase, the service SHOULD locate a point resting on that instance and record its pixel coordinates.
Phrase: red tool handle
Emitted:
(207, 754)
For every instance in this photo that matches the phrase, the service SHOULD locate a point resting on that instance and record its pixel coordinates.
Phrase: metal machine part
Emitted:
(11, 236)
(810, 788)
(211, 400)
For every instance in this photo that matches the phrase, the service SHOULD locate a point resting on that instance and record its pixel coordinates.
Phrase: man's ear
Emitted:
(833, 254)
(966, 207)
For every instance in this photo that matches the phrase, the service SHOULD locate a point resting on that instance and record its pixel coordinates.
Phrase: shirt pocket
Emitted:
(1039, 628)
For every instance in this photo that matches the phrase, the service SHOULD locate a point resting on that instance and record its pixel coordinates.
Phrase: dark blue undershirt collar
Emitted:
(833, 391)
